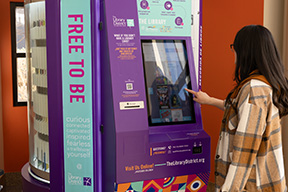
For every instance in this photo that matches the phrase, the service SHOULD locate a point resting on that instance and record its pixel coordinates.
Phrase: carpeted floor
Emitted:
(11, 182)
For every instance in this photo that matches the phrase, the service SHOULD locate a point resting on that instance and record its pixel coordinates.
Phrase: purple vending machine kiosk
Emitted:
(152, 134)
(107, 109)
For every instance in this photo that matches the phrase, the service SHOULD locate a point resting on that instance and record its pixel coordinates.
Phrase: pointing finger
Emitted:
(191, 91)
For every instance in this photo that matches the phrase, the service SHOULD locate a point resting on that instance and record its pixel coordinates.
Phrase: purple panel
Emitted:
(178, 154)
(133, 150)
(107, 116)
(55, 114)
(96, 95)
(200, 46)
(29, 184)
(125, 68)
(55, 94)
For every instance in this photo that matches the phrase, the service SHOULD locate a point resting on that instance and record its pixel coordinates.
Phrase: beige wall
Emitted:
(1, 129)
(285, 61)
(275, 19)
(285, 39)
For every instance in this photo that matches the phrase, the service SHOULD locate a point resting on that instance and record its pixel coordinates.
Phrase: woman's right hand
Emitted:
(203, 98)
(200, 97)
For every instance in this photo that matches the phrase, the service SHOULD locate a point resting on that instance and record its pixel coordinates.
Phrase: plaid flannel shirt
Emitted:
(249, 153)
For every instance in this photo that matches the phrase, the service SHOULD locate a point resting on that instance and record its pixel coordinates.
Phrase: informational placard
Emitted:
(164, 18)
(77, 95)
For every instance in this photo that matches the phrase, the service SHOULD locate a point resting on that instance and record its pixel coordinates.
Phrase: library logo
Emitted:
(87, 181)
(119, 22)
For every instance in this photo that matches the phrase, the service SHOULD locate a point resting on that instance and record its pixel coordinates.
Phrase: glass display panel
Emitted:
(166, 77)
(20, 30)
(36, 54)
(22, 79)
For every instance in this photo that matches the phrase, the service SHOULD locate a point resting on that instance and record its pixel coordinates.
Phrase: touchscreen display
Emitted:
(166, 76)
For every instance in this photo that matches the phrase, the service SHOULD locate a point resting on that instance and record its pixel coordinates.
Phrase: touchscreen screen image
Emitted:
(166, 76)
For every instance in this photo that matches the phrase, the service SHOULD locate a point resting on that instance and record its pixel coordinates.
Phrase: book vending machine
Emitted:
(107, 108)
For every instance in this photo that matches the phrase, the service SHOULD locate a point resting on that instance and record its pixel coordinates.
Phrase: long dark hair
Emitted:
(256, 50)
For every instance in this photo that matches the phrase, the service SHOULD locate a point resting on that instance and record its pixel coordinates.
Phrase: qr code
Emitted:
(129, 86)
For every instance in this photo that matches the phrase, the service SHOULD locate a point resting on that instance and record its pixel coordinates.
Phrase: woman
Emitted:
(249, 153)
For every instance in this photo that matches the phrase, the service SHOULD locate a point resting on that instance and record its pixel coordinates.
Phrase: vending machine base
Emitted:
(29, 184)
(185, 183)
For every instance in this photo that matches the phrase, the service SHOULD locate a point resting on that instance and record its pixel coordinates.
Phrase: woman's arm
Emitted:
(203, 98)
